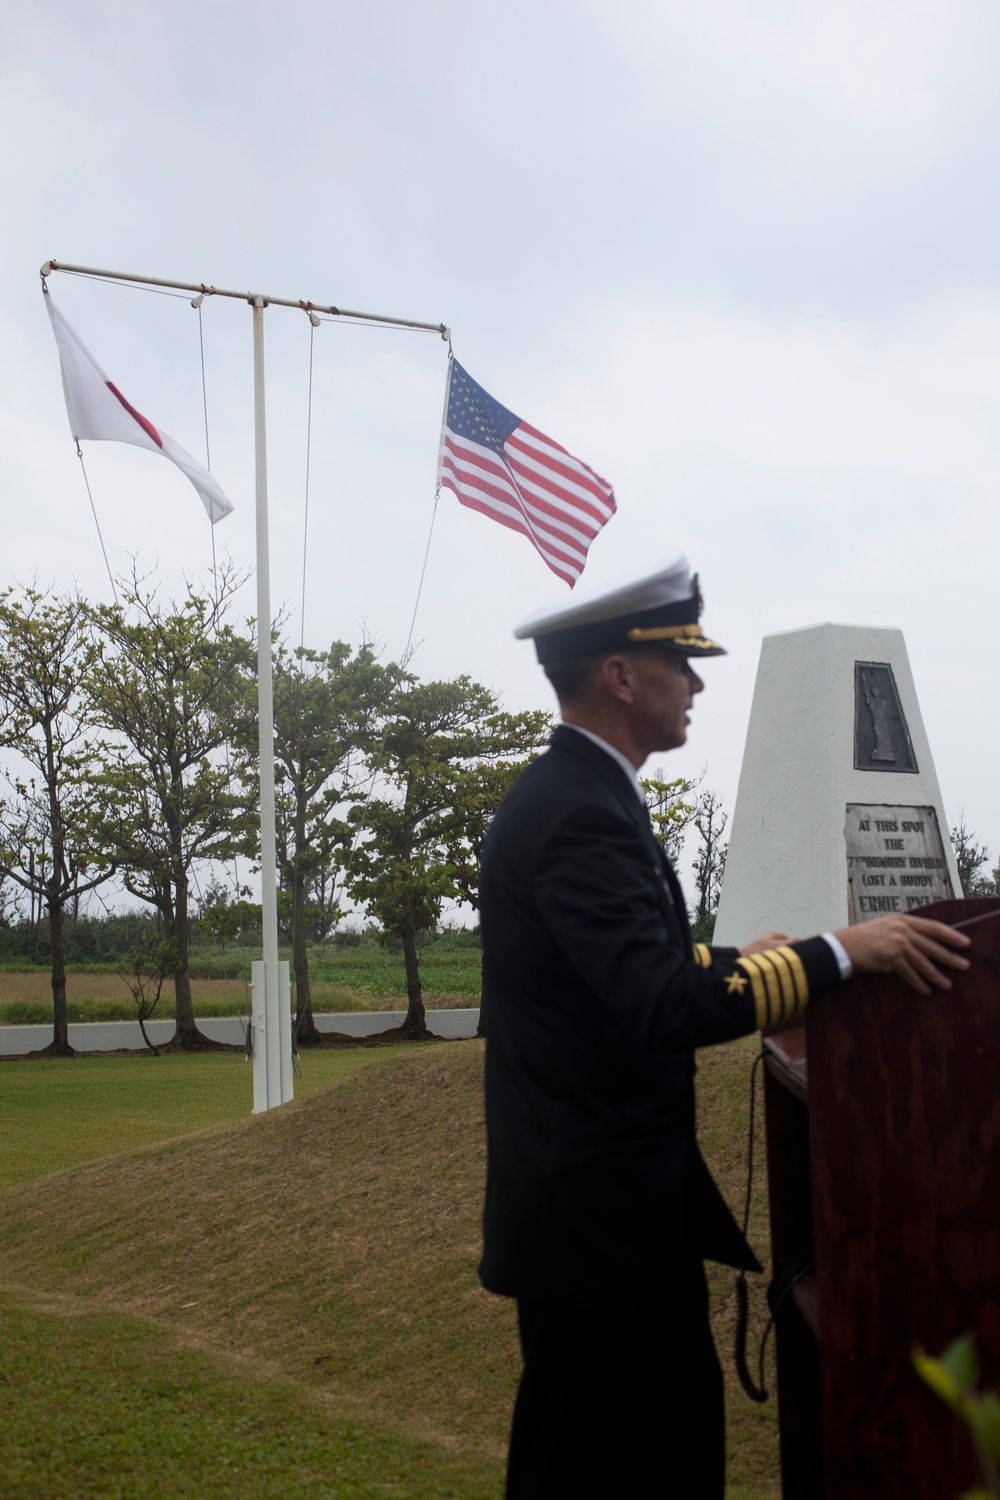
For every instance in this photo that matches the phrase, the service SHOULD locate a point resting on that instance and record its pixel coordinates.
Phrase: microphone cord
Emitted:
(756, 1392)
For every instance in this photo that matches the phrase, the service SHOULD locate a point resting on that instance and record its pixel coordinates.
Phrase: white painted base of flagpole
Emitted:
(272, 1036)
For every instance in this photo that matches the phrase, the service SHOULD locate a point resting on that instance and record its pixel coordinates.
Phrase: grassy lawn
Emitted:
(293, 1292)
(134, 1413)
(364, 978)
(58, 1113)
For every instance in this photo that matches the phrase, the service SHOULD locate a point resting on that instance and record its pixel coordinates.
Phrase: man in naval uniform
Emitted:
(599, 1208)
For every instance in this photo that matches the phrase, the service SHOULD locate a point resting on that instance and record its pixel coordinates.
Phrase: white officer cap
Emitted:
(663, 606)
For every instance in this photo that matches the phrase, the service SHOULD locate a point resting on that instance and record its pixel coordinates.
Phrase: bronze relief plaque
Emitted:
(881, 737)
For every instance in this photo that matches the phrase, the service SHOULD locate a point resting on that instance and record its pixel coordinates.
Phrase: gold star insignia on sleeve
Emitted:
(735, 984)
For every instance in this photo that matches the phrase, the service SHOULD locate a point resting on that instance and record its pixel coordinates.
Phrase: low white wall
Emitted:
(110, 1036)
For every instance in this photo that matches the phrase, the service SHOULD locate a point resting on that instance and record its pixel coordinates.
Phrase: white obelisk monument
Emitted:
(838, 816)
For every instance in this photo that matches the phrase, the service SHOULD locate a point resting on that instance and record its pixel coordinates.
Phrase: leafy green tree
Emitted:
(224, 918)
(323, 899)
(328, 707)
(48, 845)
(171, 681)
(670, 809)
(446, 759)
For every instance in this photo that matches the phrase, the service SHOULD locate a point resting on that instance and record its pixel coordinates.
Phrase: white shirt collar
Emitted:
(616, 754)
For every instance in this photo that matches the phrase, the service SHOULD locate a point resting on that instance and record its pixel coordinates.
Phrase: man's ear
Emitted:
(618, 676)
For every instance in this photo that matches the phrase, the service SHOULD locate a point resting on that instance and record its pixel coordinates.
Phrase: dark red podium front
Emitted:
(883, 1138)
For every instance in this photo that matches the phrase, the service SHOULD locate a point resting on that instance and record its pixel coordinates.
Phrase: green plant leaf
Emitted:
(984, 1419)
(961, 1362)
(940, 1379)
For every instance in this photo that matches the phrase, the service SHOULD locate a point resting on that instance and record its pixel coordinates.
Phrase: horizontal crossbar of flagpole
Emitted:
(254, 298)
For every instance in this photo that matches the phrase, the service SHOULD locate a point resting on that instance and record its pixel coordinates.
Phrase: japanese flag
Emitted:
(98, 410)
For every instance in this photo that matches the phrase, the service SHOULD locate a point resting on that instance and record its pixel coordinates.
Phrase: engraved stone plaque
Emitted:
(895, 860)
(881, 738)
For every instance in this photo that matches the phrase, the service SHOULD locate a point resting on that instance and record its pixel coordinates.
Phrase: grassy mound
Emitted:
(58, 1113)
(323, 1257)
(331, 1243)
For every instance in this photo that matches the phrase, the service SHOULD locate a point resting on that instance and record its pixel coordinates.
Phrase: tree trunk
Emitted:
(60, 1046)
(142, 1027)
(414, 1022)
(187, 1036)
(307, 1032)
(55, 893)
(33, 920)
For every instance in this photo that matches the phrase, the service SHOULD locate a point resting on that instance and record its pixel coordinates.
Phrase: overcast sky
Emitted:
(744, 260)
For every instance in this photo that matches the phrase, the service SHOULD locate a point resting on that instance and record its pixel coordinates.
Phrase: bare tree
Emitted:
(146, 966)
(709, 864)
(971, 856)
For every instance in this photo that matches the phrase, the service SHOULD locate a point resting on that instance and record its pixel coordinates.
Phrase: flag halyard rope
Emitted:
(130, 286)
(196, 303)
(313, 325)
(437, 497)
(90, 497)
(423, 571)
(93, 511)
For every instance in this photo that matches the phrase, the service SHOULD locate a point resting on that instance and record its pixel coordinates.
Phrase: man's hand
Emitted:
(913, 947)
(769, 940)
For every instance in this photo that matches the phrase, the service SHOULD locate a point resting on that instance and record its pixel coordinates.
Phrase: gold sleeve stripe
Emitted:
(779, 984)
(794, 962)
(774, 960)
(750, 968)
(774, 1010)
(703, 955)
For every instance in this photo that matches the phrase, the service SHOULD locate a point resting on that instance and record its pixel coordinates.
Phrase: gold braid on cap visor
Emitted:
(687, 635)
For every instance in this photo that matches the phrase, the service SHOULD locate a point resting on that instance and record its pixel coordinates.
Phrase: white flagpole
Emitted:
(272, 1076)
(271, 1003)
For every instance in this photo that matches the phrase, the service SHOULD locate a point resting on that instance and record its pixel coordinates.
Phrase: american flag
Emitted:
(509, 470)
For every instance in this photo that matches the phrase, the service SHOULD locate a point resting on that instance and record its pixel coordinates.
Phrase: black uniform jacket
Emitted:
(595, 1001)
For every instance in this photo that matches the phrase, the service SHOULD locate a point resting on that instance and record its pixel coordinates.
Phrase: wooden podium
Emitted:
(883, 1143)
